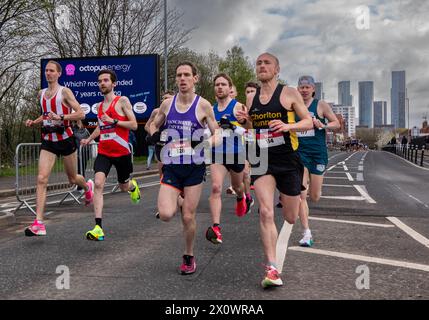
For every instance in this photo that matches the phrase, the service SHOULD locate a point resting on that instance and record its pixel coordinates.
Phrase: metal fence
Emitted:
(417, 154)
(26, 166)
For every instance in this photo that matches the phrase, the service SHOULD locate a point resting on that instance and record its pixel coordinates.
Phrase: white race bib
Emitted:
(305, 134)
(107, 136)
(181, 148)
(270, 139)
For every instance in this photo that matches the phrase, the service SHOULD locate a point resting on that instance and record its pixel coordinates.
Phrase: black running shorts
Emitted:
(60, 148)
(123, 165)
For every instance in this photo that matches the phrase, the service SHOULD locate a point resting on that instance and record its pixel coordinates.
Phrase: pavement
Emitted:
(371, 231)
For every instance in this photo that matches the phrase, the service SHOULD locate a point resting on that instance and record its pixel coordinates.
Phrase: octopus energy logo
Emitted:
(70, 70)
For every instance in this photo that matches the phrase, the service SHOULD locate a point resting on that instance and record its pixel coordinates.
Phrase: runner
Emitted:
(183, 118)
(313, 151)
(115, 119)
(272, 115)
(226, 157)
(57, 104)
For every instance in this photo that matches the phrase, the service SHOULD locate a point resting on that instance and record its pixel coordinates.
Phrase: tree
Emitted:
(239, 68)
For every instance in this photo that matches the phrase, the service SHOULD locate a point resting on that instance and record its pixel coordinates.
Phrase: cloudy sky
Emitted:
(329, 39)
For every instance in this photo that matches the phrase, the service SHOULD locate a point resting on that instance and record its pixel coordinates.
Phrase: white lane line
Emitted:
(332, 167)
(341, 172)
(415, 165)
(360, 168)
(343, 178)
(364, 193)
(359, 176)
(282, 244)
(354, 222)
(413, 234)
(338, 185)
(349, 176)
(345, 168)
(348, 198)
(389, 262)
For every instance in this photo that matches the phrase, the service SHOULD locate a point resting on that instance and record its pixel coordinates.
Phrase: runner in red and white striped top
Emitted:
(57, 104)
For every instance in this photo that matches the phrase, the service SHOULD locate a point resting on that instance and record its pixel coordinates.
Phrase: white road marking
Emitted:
(411, 196)
(343, 178)
(332, 167)
(362, 190)
(353, 222)
(345, 168)
(338, 185)
(360, 168)
(389, 262)
(415, 165)
(359, 176)
(413, 234)
(349, 176)
(282, 245)
(348, 198)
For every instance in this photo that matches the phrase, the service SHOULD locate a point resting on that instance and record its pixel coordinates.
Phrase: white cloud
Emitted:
(320, 37)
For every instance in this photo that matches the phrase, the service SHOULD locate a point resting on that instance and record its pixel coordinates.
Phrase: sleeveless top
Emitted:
(182, 133)
(313, 140)
(55, 105)
(232, 143)
(113, 138)
(278, 144)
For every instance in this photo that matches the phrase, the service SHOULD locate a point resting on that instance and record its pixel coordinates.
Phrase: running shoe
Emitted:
(188, 265)
(89, 195)
(135, 195)
(213, 235)
(249, 203)
(157, 215)
(36, 229)
(307, 240)
(241, 207)
(272, 278)
(95, 234)
(230, 190)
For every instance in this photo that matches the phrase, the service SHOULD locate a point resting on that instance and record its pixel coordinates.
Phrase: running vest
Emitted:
(233, 143)
(313, 140)
(278, 144)
(60, 130)
(113, 139)
(183, 132)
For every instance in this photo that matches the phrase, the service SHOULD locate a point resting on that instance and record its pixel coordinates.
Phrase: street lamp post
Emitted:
(165, 48)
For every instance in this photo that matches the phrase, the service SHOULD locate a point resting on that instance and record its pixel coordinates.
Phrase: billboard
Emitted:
(138, 79)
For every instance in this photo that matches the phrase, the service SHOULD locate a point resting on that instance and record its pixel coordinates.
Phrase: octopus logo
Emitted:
(70, 70)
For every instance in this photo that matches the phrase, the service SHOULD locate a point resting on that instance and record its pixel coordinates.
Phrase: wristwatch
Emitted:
(62, 117)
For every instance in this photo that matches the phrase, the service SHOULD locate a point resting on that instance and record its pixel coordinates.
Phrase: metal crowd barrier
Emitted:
(26, 166)
(26, 171)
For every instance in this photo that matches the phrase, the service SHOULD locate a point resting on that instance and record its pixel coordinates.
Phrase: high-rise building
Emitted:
(319, 91)
(398, 96)
(366, 99)
(380, 110)
(348, 113)
(344, 96)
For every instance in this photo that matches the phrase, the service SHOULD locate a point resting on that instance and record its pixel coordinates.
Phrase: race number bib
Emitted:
(50, 123)
(270, 139)
(305, 134)
(181, 148)
(107, 132)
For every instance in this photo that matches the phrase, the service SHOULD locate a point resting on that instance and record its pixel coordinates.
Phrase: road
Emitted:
(371, 231)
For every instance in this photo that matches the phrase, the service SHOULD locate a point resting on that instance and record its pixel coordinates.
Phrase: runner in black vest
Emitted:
(272, 115)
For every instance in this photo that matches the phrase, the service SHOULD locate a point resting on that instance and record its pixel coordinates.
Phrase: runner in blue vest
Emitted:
(229, 157)
(313, 151)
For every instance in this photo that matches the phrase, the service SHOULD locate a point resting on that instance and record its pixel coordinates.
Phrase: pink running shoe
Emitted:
(36, 229)
(241, 207)
(89, 195)
(188, 266)
(213, 235)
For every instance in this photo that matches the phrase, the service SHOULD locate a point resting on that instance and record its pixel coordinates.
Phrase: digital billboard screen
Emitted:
(138, 79)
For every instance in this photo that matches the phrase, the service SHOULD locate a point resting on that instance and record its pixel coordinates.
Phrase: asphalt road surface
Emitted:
(371, 231)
